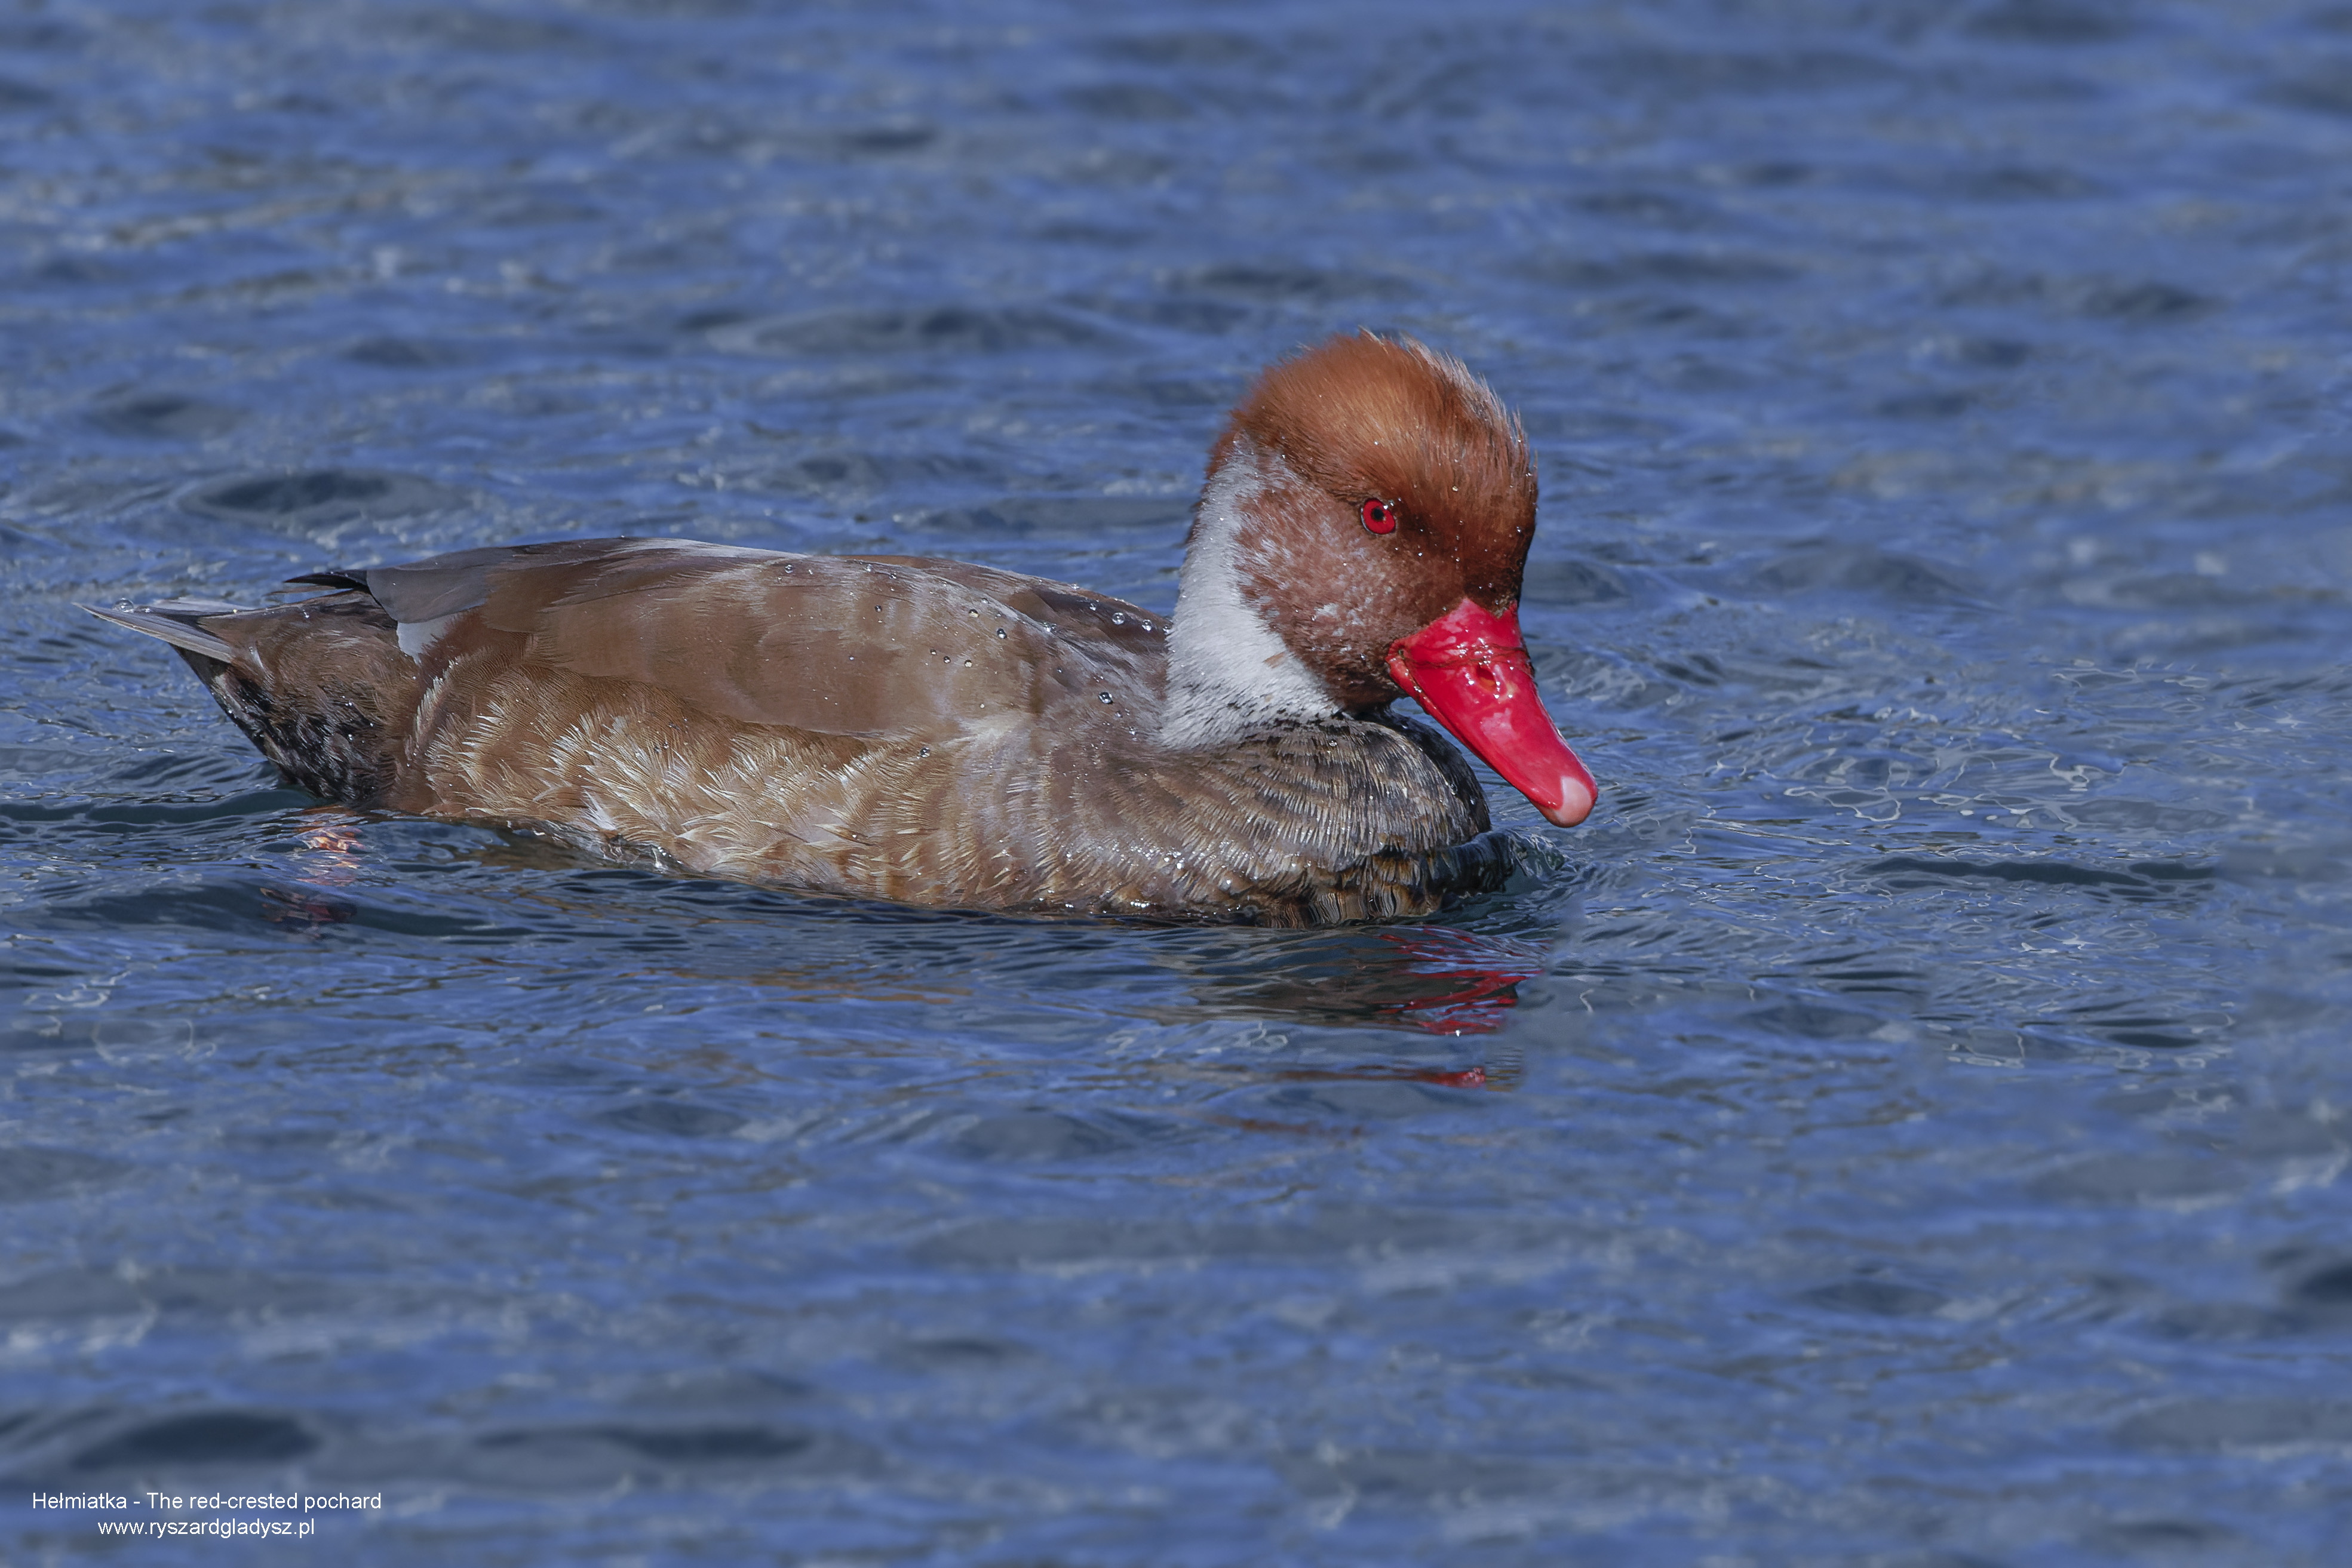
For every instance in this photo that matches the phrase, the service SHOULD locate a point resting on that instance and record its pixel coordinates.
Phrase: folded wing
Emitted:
(865, 647)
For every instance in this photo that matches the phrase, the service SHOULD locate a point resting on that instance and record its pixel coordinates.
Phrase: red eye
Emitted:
(1379, 516)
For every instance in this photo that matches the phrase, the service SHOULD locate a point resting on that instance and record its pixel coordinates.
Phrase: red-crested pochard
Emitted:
(953, 736)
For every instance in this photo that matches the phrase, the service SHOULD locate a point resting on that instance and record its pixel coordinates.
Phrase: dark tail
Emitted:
(180, 623)
(321, 687)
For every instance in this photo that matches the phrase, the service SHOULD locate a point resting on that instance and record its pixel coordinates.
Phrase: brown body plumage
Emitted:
(936, 733)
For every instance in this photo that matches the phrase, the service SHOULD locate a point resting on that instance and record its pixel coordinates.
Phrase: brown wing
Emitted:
(1115, 630)
(863, 647)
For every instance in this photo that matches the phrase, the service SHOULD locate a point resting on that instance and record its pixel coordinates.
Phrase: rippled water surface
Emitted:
(1904, 1127)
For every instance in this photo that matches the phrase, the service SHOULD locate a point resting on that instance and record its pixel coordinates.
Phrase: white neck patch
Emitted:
(1227, 671)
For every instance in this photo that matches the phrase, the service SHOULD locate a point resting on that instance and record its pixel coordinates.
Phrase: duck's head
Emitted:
(1361, 538)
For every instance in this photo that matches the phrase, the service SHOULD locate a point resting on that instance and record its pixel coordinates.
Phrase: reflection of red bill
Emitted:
(1469, 668)
(1483, 977)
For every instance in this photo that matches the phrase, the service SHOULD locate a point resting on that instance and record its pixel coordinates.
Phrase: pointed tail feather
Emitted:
(175, 621)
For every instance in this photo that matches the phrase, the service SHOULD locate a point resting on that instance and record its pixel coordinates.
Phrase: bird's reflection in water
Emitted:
(1438, 980)
(327, 856)
(1501, 1072)
(1434, 978)
(1476, 979)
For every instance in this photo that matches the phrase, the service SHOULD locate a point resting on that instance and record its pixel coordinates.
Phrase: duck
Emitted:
(950, 736)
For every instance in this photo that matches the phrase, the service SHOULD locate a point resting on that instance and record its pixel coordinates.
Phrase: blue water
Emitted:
(1906, 1126)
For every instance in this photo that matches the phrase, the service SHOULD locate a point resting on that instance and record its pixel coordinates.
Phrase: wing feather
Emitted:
(862, 647)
